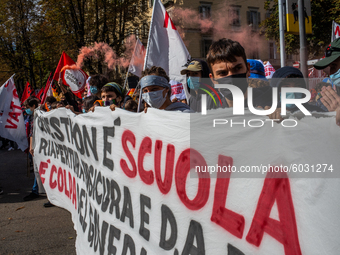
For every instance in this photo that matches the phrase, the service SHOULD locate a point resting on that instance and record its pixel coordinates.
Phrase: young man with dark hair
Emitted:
(228, 64)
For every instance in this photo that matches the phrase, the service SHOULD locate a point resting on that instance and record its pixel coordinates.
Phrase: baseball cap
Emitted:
(332, 53)
(256, 69)
(194, 66)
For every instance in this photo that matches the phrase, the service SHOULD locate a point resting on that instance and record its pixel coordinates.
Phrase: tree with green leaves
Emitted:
(323, 13)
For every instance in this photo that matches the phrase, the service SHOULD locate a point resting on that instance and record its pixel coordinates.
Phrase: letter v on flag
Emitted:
(165, 46)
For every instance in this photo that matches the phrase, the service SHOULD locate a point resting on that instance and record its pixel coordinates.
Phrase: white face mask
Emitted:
(335, 77)
(155, 98)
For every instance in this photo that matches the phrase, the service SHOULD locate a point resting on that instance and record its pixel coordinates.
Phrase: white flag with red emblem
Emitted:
(165, 46)
(335, 31)
(12, 125)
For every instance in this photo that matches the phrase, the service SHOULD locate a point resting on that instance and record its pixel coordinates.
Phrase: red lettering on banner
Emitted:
(166, 21)
(128, 136)
(15, 93)
(275, 188)
(60, 179)
(227, 219)
(53, 184)
(145, 147)
(42, 170)
(13, 115)
(67, 193)
(188, 159)
(164, 186)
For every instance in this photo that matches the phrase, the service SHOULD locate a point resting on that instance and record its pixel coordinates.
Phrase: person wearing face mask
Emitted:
(49, 101)
(31, 104)
(331, 96)
(112, 93)
(291, 77)
(156, 90)
(228, 64)
(198, 83)
(96, 83)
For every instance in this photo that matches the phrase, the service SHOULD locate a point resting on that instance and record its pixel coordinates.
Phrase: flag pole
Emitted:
(127, 73)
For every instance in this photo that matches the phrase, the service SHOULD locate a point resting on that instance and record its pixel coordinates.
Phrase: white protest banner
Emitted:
(165, 45)
(335, 30)
(127, 181)
(12, 125)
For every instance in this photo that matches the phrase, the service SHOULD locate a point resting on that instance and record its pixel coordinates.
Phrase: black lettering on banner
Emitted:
(91, 228)
(99, 234)
(114, 234)
(168, 216)
(128, 244)
(108, 131)
(89, 184)
(106, 194)
(57, 151)
(115, 199)
(99, 179)
(144, 216)
(61, 151)
(52, 150)
(46, 125)
(195, 231)
(76, 133)
(55, 124)
(127, 207)
(66, 123)
(143, 251)
(67, 155)
(232, 250)
(87, 141)
(43, 146)
(82, 219)
(76, 162)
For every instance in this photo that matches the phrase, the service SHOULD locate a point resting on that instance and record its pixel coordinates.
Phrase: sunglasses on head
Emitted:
(329, 51)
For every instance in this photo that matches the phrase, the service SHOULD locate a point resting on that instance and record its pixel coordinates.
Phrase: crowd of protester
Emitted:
(226, 64)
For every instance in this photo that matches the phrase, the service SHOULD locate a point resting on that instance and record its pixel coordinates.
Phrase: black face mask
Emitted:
(238, 80)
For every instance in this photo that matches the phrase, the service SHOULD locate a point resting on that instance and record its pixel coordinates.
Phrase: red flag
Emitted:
(72, 76)
(28, 91)
(40, 93)
(65, 60)
(47, 88)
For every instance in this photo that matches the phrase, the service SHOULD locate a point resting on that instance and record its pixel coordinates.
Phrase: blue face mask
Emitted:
(83, 110)
(28, 111)
(335, 77)
(292, 95)
(193, 82)
(155, 98)
(93, 90)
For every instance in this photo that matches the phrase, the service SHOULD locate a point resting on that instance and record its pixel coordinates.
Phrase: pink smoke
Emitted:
(217, 27)
(100, 50)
